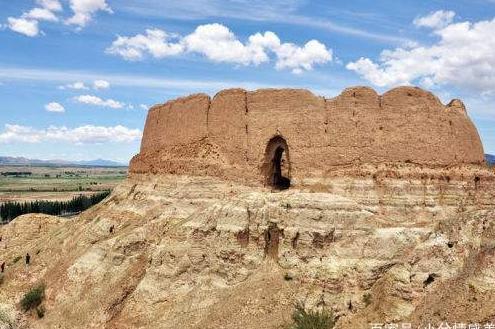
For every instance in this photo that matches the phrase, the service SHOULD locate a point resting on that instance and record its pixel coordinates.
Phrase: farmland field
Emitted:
(28, 183)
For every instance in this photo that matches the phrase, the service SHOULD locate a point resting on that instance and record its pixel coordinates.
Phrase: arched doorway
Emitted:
(276, 166)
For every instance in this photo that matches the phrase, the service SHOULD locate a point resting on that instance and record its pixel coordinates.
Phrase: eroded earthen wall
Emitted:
(228, 135)
(178, 122)
(227, 124)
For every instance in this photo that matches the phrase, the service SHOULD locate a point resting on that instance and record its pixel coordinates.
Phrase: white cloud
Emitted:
(463, 56)
(40, 14)
(155, 42)
(97, 101)
(435, 20)
(298, 59)
(54, 107)
(85, 9)
(144, 107)
(76, 86)
(52, 5)
(88, 134)
(27, 24)
(217, 43)
(24, 26)
(101, 84)
(79, 85)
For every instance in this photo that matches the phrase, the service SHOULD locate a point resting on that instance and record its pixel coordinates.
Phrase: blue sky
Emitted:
(76, 76)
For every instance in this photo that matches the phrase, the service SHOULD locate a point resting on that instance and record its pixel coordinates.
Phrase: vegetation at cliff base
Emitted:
(10, 210)
(311, 319)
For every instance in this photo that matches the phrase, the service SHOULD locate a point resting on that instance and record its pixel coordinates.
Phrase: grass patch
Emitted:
(33, 297)
(311, 319)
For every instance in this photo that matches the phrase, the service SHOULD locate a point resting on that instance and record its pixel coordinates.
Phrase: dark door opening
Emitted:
(277, 164)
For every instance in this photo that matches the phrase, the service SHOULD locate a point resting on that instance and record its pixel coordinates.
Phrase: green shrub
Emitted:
(311, 319)
(33, 297)
(18, 258)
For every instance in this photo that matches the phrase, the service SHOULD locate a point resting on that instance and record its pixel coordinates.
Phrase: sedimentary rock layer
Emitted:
(228, 135)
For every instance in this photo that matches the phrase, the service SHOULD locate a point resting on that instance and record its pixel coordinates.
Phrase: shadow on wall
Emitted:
(276, 166)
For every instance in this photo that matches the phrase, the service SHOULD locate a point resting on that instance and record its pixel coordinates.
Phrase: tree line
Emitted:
(17, 173)
(11, 209)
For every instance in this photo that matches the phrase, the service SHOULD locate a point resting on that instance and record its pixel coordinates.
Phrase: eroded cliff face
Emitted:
(227, 136)
(376, 244)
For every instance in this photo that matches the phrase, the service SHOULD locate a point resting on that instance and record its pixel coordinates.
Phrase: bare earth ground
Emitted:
(57, 183)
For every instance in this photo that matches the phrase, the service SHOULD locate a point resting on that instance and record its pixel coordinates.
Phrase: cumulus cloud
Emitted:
(154, 41)
(24, 26)
(54, 107)
(27, 24)
(101, 84)
(76, 86)
(83, 12)
(217, 43)
(97, 101)
(435, 20)
(40, 14)
(463, 56)
(85, 9)
(87, 134)
(298, 59)
(144, 107)
(52, 5)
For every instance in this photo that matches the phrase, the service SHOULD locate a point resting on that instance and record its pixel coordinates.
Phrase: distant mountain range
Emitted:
(21, 161)
(490, 159)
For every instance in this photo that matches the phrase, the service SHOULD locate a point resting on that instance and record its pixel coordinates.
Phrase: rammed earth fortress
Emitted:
(278, 136)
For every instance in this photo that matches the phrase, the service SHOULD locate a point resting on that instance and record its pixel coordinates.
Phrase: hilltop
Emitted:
(377, 208)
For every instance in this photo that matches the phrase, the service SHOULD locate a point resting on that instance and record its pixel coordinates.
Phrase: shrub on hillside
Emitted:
(33, 297)
(311, 319)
